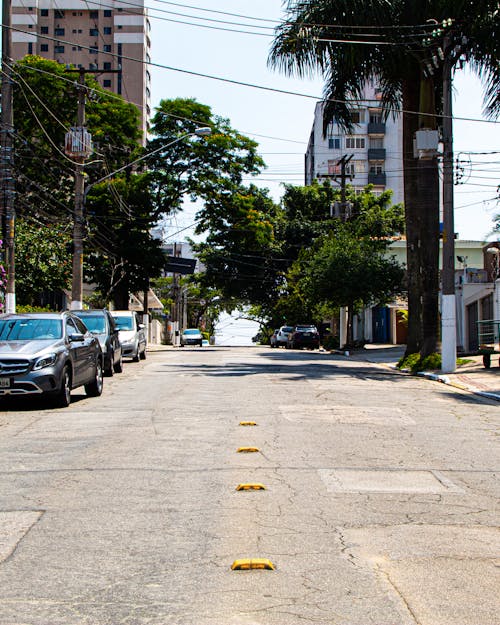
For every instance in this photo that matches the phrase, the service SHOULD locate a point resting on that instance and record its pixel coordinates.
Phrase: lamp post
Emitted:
(76, 301)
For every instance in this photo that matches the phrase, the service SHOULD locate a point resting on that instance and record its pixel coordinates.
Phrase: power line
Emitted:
(261, 87)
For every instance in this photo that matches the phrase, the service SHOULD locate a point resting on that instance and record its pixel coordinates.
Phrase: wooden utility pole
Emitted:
(7, 205)
(78, 218)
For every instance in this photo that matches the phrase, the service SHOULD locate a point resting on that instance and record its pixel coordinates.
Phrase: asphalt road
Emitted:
(380, 504)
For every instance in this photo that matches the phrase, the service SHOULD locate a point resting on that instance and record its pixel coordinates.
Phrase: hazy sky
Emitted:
(281, 123)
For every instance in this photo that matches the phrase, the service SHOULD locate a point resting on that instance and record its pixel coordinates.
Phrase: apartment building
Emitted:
(375, 144)
(104, 36)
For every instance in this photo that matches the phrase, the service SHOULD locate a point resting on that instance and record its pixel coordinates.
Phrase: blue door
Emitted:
(380, 321)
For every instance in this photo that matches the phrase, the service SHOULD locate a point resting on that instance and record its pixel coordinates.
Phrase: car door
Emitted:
(88, 351)
(114, 339)
(78, 352)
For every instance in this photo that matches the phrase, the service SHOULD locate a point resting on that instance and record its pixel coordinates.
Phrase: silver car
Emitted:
(48, 354)
(131, 333)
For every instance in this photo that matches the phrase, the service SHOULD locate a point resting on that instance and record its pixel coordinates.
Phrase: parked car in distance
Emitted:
(131, 334)
(273, 341)
(303, 336)
(191, 336)
(48, 354)
(102, 325)
(282, 336)
(205, 343)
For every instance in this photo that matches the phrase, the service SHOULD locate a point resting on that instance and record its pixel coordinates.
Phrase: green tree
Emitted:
(206, 168)
(322, 36)
(347, 269)
(125, 255)
(239, 249)
(45, 105)
(43, 261)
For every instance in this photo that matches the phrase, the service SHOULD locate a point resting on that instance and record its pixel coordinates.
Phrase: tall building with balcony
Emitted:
(113, 35)
(376, 145)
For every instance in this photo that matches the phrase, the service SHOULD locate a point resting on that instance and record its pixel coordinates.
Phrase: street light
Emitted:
(77, 280)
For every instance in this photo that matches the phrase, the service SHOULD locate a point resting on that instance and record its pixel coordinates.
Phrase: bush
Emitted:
(33, 309)
(330, 342)
(415, 362)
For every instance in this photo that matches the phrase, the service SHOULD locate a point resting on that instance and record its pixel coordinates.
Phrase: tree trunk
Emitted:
(421, 184)
(412, 220)
(121, 296)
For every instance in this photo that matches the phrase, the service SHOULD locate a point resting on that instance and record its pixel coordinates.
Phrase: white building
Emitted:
(375, 145)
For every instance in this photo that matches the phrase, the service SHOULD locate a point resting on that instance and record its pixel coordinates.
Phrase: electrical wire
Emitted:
(266, 88)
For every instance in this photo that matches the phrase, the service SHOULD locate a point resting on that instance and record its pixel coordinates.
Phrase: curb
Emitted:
(444, 379)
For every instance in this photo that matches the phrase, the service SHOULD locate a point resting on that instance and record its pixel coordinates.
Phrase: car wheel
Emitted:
(109, 371)
(142, 355)
(136, 357)
(118, 366)
(63, 397)
(94, 388)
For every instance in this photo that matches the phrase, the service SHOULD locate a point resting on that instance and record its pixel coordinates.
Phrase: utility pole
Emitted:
(343, 178)
(448, 310)
(7, 207)
(78, 218)
(79, 147)
(342, 205)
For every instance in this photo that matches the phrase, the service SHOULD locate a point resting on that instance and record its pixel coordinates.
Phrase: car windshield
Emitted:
(95, 323)
(188, 332)
(306, 329)
(30, 329)
(286, 329)
(124, 323)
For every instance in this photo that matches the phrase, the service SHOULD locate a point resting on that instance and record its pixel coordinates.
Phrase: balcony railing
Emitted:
(378, 179)
(376, 154)
(376, 128)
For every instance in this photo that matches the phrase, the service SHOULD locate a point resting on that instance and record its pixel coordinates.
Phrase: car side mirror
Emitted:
(141, 326)
(76, 337)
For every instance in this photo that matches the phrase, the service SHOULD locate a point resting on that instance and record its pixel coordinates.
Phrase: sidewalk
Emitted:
(472, 377)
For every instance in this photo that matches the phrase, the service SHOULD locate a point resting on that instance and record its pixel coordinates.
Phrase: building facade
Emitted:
(375, 145)
(110, 36)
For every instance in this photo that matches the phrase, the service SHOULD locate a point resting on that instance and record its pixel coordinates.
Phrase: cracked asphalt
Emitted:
(380, 508)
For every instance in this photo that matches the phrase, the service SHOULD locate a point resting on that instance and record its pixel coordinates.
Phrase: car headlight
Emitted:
(45, 361)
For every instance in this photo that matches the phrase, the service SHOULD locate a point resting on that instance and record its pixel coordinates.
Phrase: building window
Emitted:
(93, 50)
(376, 142)
(358, 117)
(94, 15)
(375, 117)
(44, 13)
(107, 65)
(58, 15)
(334, 143)
(80, 31)
(107, 13)
(59, 32)
(355, 167)
(44, 30)
(376, 168)
(333, 168)
(74, 48)
(59, 49)
(354, 143)
(106, 83)
(107, 30)
(44, 47)
(119, 27)
(30, 8)
(107, 48)
(94, 32)
(30, 48)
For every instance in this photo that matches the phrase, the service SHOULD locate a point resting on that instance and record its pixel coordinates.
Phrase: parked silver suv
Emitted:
(48, 354)
(131, 334)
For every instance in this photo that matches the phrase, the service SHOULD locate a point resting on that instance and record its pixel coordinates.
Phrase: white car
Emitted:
(282, 336)
(131, 334)
(191, 336)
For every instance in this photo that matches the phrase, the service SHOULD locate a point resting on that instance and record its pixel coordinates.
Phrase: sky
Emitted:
(279, 122)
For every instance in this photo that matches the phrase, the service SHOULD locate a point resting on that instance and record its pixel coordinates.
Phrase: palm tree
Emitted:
(398, 42)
